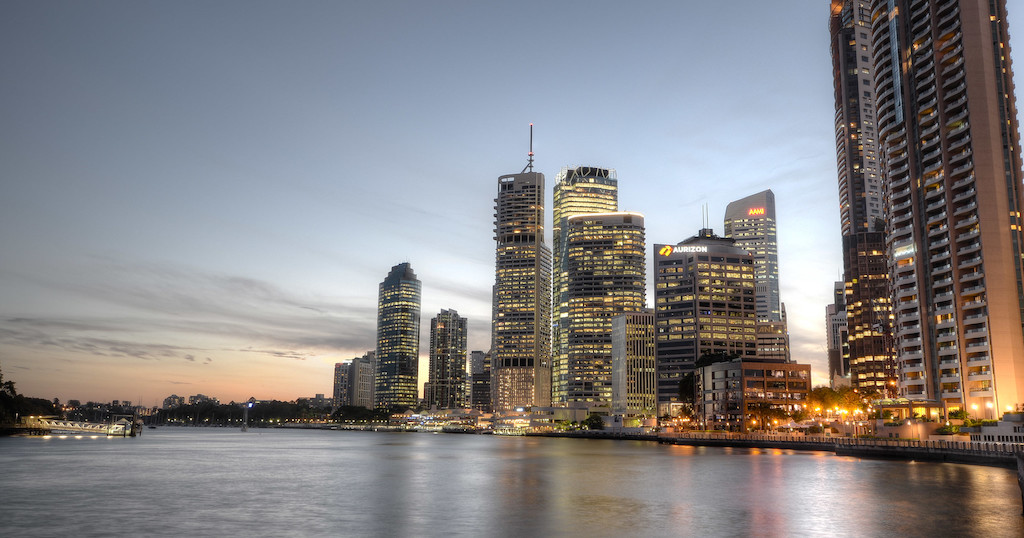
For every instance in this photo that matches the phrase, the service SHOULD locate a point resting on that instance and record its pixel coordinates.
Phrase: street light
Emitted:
(245, 413)
(989, 411)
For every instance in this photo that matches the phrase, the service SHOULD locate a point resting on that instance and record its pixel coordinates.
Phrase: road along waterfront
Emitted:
(217, 481)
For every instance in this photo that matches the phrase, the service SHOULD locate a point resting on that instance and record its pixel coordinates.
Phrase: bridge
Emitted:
(119, 428)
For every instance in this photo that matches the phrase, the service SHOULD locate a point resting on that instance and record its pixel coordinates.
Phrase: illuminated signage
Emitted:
(904, 251)
(669, 250)
(755, 211)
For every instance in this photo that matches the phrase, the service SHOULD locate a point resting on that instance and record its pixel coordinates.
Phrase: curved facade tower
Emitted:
(578, 190)
(949, 146)
(398, 339)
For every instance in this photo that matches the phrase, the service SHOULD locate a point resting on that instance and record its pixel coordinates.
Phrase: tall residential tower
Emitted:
(950, 152)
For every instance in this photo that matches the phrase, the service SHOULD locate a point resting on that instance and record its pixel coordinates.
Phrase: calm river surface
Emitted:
(221, 482)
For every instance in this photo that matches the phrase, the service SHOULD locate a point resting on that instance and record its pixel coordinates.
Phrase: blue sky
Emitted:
(203, 197)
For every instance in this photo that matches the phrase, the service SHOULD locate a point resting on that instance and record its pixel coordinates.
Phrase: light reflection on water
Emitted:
(183, 481)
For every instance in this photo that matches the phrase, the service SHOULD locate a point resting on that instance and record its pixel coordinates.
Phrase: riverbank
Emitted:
(990, 454)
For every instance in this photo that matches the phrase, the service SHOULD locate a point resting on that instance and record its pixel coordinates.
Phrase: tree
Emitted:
(7, 387)
(594, 422)
(764, 412)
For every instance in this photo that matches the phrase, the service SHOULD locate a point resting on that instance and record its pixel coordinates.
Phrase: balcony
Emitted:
(953, 66)
(977, 303)
(963, 181)
(973, 247)
(973, 290)
(933, 167)
(966, 222)
(955, 119)
(957, 142)
(965, 209)
(967, 277)
(955, 77)
(909, 329)
(906, 292)
(955, 131)
(911, 355)
(960, 156)
(899, 232)
(964, 195)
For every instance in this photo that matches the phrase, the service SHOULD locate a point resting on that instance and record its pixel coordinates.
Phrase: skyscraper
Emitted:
(705, 303)
(398, 339)
(860, 181)
(634, 375)
(605, 277)
(750, 222)
(480, 381)
(578, 190)
(869, 351)
(948, 134)
(835, 331)
(353, 382)
(446, 381)
(521, 322)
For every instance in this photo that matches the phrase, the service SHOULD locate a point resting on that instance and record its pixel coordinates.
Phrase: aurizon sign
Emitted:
(669, 250)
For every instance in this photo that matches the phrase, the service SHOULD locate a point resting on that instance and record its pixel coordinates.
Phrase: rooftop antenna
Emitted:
(529, 162)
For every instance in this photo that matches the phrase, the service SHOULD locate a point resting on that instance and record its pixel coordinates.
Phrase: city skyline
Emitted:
(203, 199)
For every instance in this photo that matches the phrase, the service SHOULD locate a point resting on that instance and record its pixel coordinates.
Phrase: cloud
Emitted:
(155, 311)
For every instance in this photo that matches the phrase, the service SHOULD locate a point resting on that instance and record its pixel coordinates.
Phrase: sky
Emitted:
(203, 197)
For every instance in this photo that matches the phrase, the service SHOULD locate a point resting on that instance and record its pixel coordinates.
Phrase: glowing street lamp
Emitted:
(245, 413)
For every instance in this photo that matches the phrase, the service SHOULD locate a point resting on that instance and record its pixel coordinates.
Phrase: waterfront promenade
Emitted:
(969, 452)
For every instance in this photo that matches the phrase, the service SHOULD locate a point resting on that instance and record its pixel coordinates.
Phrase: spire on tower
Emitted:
(529, 162)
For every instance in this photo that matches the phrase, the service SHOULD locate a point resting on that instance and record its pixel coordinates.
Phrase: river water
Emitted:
(221, 482)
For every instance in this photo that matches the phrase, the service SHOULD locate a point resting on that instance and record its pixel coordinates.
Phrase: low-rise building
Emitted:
(735, 394)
